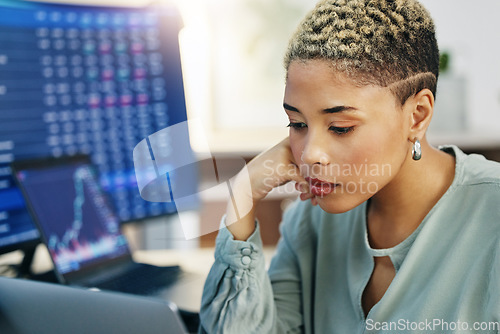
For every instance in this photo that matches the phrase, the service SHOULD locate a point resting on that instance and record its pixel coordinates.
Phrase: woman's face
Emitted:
(349, 141)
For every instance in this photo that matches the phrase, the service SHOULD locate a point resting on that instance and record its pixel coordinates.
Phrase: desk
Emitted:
(186, 294)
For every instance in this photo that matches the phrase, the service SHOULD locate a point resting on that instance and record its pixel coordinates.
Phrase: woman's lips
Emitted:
(319, 187)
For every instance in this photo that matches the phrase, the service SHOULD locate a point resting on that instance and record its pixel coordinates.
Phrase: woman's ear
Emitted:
(421, 109)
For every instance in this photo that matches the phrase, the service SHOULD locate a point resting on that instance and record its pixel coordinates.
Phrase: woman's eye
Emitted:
(341, 131)
(297, 125)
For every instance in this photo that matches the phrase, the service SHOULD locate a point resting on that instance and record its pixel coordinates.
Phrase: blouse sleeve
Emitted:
(239, 296)
(494, 290)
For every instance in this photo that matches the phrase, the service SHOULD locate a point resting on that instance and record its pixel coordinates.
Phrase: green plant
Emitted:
(444, 62)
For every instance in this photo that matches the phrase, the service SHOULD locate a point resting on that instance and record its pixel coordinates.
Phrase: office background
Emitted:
(231, 53)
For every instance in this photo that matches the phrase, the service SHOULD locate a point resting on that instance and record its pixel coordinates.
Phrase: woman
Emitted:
(391, 235)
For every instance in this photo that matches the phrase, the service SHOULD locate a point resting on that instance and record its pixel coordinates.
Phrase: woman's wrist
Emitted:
(240, 213)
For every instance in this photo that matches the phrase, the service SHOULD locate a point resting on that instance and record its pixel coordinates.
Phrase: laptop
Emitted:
(28, 307)
(82, 233)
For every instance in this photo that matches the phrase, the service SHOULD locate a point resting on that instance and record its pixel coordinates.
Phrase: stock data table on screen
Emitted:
(94, 80)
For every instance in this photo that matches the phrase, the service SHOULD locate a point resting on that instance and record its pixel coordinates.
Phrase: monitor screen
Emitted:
(78, 223)
(92, 80)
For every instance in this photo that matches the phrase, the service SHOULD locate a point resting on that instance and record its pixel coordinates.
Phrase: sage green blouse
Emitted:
(447, 272)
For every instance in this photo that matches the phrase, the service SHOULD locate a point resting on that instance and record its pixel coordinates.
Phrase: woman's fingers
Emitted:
(306, 196)
(303, 186)
(304, 192)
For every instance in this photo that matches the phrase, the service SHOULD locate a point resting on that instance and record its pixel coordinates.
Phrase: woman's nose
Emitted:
(315, 151)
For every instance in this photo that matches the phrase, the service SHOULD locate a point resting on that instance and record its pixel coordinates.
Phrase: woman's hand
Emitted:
(273, 168)
(278, 167)
(268, 170)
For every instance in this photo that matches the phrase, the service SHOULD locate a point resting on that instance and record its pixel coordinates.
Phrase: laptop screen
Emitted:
(74, 216)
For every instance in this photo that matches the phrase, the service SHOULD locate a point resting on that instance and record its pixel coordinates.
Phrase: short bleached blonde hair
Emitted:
(390, 43)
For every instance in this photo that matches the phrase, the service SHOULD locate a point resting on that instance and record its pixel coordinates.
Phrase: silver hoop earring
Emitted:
(416, 152)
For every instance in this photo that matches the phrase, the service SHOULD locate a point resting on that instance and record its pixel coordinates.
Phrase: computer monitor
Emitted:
(92, 80)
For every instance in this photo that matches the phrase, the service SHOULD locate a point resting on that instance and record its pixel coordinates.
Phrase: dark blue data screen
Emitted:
(90, 80)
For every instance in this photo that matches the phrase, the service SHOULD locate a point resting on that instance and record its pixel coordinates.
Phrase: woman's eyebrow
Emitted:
(289, 107)
(332, 110)
(338, 109)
